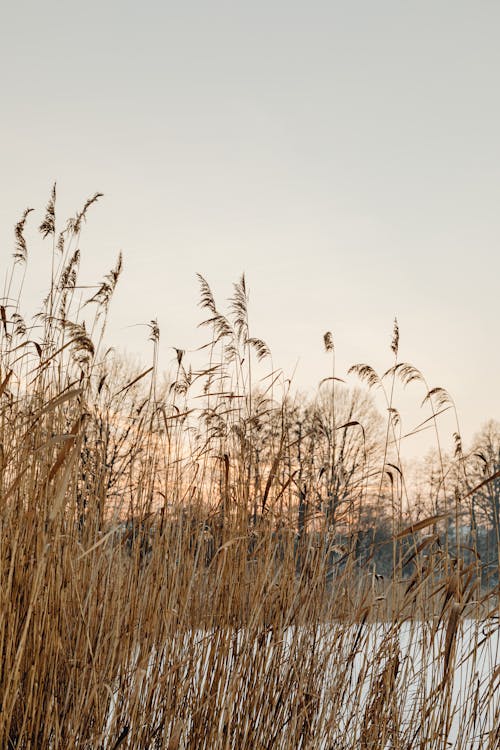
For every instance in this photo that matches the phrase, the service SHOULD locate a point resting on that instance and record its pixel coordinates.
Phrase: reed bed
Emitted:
(185, 563)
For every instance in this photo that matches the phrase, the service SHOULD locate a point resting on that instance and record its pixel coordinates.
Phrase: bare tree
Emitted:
(484, 465)
(335, 460)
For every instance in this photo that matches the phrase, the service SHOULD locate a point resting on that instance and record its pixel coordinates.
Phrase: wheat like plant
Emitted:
(185, 561)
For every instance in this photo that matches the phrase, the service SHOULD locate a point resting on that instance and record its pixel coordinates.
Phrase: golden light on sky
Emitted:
(345, 155)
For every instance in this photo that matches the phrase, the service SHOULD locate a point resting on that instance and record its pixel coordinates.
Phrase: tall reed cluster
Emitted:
(207, 561)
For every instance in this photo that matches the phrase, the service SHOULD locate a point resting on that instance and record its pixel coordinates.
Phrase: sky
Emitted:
(343, 155)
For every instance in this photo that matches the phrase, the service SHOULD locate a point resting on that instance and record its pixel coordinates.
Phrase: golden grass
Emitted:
(181, 576)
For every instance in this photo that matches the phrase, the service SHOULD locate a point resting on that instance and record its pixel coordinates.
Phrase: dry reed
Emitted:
(180, 563)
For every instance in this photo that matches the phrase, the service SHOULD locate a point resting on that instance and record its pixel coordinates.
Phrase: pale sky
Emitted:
(344, 155)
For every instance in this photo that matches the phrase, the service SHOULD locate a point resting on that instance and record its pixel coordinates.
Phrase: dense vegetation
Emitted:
(208, 561)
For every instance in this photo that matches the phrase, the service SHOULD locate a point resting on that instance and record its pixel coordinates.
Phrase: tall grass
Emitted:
(180, 561)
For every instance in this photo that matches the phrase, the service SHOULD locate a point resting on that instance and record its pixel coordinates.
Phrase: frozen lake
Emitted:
(410, 685)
